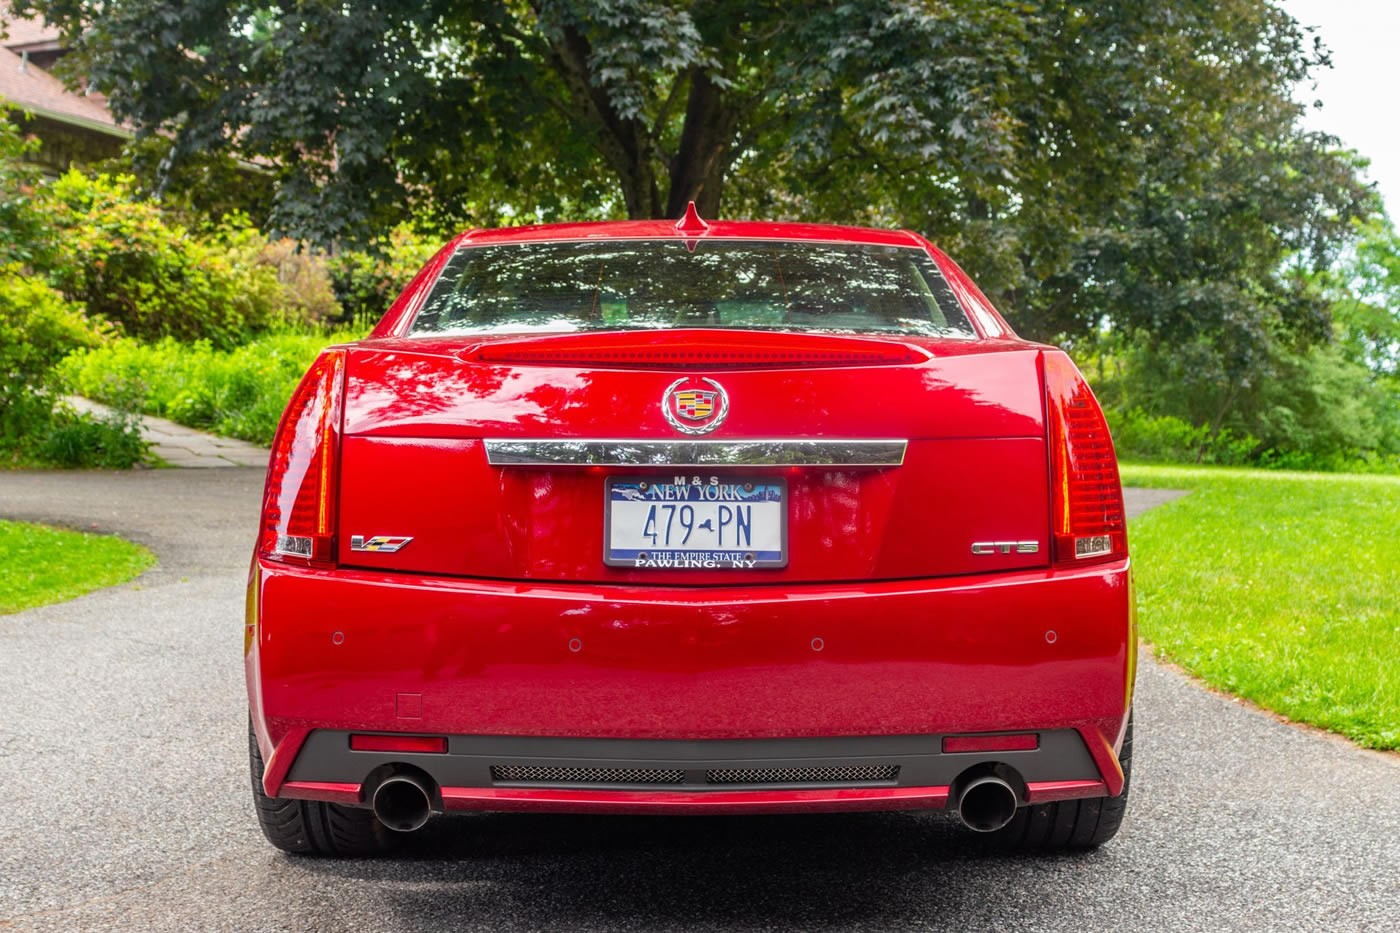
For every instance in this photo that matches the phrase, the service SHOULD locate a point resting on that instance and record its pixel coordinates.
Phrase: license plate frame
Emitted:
(717, 558)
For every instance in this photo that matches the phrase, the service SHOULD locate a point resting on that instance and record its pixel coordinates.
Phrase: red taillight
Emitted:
(1087, 497)
(1021, 742)
(298, 520)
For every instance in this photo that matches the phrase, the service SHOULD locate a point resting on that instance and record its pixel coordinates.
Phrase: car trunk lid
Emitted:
(494, 456)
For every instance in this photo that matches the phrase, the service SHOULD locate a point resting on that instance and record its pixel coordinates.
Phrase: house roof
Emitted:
(28, 87)
(25, 33)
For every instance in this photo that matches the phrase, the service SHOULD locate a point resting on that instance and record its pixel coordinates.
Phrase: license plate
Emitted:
(691, 523)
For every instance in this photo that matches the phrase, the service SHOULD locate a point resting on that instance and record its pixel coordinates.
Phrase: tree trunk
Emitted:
(623, 141)
(706, 150)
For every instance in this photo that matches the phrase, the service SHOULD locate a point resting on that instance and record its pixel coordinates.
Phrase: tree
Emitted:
(473, 109)
(1135, 163)
(1367, 289)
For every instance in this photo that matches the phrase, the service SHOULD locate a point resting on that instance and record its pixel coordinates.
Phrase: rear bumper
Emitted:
(712, 674)
(852, 773)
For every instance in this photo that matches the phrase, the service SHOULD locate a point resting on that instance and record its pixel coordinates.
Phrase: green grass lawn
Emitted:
(1283, 588)
(48, 565)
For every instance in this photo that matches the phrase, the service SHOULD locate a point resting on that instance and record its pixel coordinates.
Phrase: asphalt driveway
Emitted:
(126, 802)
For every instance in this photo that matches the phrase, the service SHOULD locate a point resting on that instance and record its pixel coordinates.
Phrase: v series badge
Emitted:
(386, 543)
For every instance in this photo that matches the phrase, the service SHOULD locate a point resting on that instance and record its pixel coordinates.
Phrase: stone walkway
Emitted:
(180, 446)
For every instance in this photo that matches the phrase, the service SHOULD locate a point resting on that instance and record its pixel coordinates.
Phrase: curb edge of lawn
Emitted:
(1391, 756)
(74, 527)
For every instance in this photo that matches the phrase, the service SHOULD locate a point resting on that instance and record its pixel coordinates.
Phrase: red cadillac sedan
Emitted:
(656, 517)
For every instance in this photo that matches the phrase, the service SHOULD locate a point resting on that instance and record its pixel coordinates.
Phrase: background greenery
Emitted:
(1278, 587)
(1130, 180)
(152, 306)
(239, 393)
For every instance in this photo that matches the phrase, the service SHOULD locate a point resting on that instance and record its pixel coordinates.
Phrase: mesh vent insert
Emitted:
(853, 773)
(546, 775)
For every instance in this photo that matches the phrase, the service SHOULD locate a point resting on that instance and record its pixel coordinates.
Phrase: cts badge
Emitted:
(387, 544)
(1005, 547)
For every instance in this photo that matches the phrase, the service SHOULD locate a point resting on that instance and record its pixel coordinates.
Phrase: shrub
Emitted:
(366, 283)
(37, 329)
(82, 440)
(238, 393)
(305, 294)
(23, 237)
(129, 265)
(1165, 438)
(1314, 402)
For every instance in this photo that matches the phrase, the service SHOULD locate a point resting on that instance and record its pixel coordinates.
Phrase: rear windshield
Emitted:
(649, 284)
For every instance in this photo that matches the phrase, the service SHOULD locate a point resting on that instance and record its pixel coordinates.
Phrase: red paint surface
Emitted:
(843, 524)
(331, 792)
(712, 802)
(961, 654)
(692, 349)
(1050, 791)
(975, 468)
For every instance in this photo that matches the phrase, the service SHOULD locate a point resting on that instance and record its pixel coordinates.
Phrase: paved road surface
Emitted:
(126, 804)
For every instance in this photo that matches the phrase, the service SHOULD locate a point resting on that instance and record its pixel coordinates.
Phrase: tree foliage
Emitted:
(1367, 288)
(23, 237)
(1136, 164)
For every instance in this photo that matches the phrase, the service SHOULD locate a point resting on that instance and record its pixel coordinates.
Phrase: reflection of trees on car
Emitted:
(716, 283)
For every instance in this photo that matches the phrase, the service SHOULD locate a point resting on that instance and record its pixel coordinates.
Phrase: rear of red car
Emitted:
(715, 518)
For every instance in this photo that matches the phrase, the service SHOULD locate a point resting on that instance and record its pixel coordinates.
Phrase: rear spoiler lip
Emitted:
(695, 348)
(695, 453)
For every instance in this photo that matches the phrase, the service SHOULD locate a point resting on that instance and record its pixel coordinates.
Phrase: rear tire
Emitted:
(1070, 824)
(310, 827)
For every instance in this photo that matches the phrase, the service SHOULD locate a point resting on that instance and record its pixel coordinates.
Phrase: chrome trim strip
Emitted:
(687, 453)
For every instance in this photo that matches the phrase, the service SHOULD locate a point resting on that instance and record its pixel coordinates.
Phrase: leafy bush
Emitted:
(37, 329)
(1168, 439)
(82, 440)
(1316, 401)
(1315, 409)
(306, 294)
(366, 283)
(238, 393)
(130, 265)
(23, 237)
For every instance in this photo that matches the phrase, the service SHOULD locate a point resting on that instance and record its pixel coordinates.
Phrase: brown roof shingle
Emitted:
(24, 32)
(29, 87)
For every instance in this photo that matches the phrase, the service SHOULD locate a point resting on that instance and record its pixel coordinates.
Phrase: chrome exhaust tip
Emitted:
(986, 804)
(402, 803)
